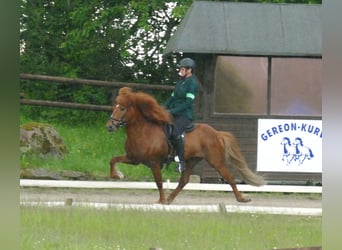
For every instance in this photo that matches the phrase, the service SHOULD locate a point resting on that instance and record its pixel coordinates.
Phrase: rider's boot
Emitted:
(178, 144)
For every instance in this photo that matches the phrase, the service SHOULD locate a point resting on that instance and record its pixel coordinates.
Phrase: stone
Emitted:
(46, 174)
(39, 173)
(41, 140)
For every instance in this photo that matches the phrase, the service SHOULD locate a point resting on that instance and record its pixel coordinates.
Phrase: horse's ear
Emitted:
(125, 91)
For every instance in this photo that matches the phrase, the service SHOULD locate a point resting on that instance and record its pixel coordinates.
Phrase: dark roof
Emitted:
(249, 29)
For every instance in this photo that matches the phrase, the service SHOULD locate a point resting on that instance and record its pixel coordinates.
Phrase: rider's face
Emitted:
(184, 72)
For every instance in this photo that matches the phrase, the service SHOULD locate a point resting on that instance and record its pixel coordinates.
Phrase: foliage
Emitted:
(90, 147)
(106, 40)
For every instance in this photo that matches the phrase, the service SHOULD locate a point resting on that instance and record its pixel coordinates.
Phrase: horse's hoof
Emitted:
(244, 199)
(169, 201)
(161, 202)
(117, 175)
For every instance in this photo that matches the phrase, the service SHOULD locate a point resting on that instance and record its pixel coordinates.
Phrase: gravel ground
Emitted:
(186, 197)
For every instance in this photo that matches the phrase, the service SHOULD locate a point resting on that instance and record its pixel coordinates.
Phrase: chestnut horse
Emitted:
(147, 143)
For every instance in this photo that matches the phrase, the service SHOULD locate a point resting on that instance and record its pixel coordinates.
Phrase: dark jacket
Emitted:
(181, 100)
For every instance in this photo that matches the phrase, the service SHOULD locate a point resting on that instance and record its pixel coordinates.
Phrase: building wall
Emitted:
(243, 127)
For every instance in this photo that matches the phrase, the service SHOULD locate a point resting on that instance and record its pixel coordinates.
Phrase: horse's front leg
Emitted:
(114, 173)
(159, 182)
(291, 157)
(301, 159)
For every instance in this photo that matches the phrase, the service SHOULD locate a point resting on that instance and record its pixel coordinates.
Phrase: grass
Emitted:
(85, 228)
(90, 148)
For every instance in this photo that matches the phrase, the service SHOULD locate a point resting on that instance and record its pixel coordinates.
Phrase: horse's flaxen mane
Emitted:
(125, 91)
(147, 105)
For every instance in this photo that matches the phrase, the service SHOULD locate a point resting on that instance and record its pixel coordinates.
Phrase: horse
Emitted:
(289, 151)
(147, 143)
(302, 152)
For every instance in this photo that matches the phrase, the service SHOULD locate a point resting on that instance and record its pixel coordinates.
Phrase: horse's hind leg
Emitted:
(184, 179)
(230, 179)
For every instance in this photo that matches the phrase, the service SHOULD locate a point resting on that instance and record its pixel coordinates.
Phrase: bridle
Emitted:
(121, 121)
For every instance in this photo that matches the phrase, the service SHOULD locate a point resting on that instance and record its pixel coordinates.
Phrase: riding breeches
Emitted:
(180, 123)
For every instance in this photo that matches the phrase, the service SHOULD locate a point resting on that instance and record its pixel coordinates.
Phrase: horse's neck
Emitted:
(133, 128)
(136, 129)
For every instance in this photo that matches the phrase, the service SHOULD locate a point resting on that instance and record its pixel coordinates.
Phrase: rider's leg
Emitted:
(178, 144)
(177, 140)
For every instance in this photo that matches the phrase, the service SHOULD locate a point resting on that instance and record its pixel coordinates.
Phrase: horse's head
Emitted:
(286, 141)
(117, 118)
(138, 107)
(120, 109)
(298, 141)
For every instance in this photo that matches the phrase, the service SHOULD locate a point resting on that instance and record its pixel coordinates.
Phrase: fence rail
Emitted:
(65, 105)
(78, 81)
(168, 185)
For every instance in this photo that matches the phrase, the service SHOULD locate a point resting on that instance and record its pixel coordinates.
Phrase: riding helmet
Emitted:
(186, 63)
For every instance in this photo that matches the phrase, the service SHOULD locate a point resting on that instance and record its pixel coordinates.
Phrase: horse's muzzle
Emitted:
(113, 125)
(111, 128)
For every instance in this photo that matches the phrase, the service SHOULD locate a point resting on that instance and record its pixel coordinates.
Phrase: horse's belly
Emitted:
(147, 151)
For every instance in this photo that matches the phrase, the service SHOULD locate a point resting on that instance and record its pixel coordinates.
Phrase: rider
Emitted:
(179, 104)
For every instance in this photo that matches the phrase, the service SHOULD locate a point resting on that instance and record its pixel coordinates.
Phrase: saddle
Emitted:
(168, 128)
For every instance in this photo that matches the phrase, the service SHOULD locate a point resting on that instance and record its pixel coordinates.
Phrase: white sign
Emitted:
(289, 145)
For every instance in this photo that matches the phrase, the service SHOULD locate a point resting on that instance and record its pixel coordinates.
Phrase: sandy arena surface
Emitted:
(186, 197)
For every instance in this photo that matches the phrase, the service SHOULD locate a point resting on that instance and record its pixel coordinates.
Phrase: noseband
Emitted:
(119, 122)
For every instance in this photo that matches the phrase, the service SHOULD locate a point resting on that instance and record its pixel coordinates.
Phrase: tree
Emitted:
(98, 39)
(107, 40)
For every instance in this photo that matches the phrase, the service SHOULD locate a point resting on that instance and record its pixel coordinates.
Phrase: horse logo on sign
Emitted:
(296, 151)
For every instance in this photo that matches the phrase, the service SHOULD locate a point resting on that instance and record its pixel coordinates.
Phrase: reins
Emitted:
(119, 122)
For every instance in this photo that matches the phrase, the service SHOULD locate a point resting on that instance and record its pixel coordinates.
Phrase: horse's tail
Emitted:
(311, 155)
(234, 156)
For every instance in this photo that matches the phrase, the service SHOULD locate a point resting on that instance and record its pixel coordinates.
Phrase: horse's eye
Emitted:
(119, 107)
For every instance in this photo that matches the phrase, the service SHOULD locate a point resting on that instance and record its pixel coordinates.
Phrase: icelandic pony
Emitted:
(289, 151)
(302, 152)
(147, 143)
